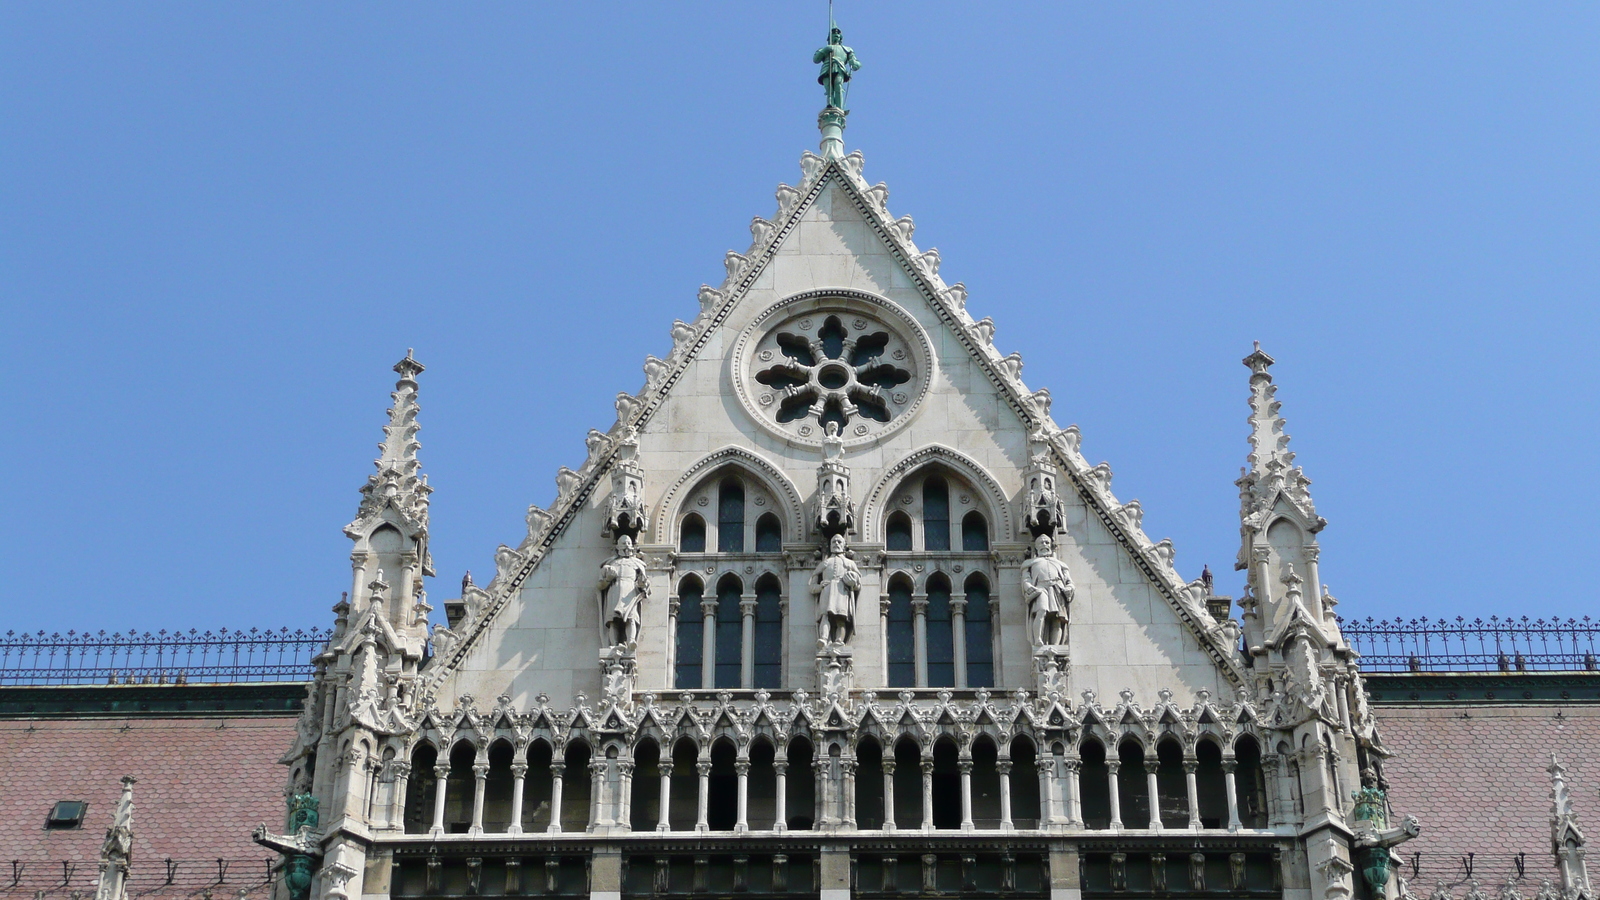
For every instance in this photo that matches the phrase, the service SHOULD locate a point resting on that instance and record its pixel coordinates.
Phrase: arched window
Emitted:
(645, 799)
(575, 788)
(1211, 787)
(901, 636)
(497, 788)
(985, 783)
(536, 790)
(460, 788)
(768, 633)
(946, 785)
(692, 536)
(935, 514)
(1094, 784)
(898, 534)
(1249, 783)
(801, 789)
(1172, 785)
(1024, 784)
(420, 788)
(722, 788)
(1133, 790)
(769, 534)
(974, 532)
(979, 633)
(730, 632)
(691, 634)
(941, 637)
(730, 516)
(869, 784)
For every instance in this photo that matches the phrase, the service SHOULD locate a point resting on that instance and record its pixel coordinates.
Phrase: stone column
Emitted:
(888, 795)
(358, 566)
(919, 624)
(480, 777)
(1116, 795)
(1004, 768)
(401, 773)
(1045, 765)
(747, 641)
(625, 794)
(965, 767)
(1271, 764)
(664, 820)
(1189, 768)
(441, 784)
(927, 795)
(742, 768)
(847, 788)
(780, 768)
(958, 625)
(1232, 790)
(519, 776)
(703, 767)
(1074, 798)
(708, 644)
(1314, 582)
(557, 770)
(1150, 767)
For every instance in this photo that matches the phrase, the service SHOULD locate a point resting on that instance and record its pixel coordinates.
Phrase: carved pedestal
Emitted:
(1051, 665)
(618, 670)
(835, 670)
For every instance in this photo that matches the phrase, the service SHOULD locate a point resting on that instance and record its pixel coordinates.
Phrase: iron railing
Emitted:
(1496, 645)
(162, 657)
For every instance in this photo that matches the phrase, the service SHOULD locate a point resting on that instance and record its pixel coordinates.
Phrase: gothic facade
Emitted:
(836, 607)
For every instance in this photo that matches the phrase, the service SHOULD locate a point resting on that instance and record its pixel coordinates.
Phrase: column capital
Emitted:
(741, 767)
(964, 766)
(1229, 766)
(958, 606)
(519, 770)
(1151, 766)
(558, 769)
(441, 771)
(665, 768)
(888, 767)
(927, 767)
(1072, 765)
(747, 606)
(1113, 766)
(1191, 766)
(704, 768)
(480, 771)
(782, 768)
(1003, 767)
(919, 605)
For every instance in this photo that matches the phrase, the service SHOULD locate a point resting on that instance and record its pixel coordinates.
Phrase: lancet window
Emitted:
(729, 605)
(937, 616)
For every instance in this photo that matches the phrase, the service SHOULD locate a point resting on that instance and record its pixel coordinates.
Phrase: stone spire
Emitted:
(399, 478)
(1566, 840)
(1278, 523)
(116, 854)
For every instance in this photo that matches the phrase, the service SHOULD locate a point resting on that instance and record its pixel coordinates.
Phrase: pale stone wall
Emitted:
(1124, 634)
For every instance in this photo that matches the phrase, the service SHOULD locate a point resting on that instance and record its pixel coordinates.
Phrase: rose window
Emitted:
(835, 363)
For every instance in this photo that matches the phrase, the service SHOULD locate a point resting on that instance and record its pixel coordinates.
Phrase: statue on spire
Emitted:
(838, 64)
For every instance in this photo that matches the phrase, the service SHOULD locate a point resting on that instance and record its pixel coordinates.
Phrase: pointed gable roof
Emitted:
(948, 301)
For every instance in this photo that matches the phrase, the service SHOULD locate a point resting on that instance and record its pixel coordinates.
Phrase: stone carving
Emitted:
(983, 332)
(836, 583)
(626, 512)
(1043, 510)
(653, 370)
(956, 296)
(116, 853)
(627, 404)
(836, 512)
(927, 263)
(787, 198)
(710, 298)
(736, 263)
(1047, 588)
(760, 232)
(622, 589)
(682, 335)
(878, 196)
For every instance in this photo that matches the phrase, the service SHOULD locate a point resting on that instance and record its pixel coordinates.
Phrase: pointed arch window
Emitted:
(691, 635)
(900, 636)
(692, 536)
(769, 534)
(730, 632)
(979, 634)
(897, 536)
(935, 514)
(941, 636)
(974, 532)
(768, 634)
(730, 516)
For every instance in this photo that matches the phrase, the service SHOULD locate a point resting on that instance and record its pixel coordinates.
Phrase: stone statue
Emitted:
(838, 63)
(836, 583)
(1047, 588)
(624, 584)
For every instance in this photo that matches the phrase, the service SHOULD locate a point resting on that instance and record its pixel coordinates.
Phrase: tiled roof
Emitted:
(203, 785)
(1475, 777)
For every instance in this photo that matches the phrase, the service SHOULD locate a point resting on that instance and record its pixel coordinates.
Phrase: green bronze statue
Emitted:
(838, 63)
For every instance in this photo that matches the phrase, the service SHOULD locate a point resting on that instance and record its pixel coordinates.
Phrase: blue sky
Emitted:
(221, 224)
